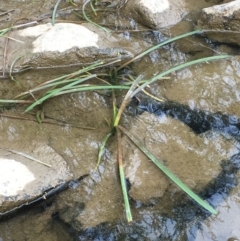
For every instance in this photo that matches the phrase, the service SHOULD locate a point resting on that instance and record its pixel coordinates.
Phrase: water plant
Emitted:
(84, 14)
(88, 19)
(134, 89)
(79, 81)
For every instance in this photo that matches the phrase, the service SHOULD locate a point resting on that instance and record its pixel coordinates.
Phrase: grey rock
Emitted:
(156, 14)
(222, 22)
(24, 180)
(61, 45)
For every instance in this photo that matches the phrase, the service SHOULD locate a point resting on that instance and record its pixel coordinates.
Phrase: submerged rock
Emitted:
(61, 45)
(222, 22)
(68, 139)
(94, 200)
(196, 160)
(211, 87)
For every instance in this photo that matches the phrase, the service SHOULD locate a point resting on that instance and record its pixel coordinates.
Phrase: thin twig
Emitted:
(24, 25)
(25, 155)
(16, 40)
(5, 56)
(9, 11)
(49, 122)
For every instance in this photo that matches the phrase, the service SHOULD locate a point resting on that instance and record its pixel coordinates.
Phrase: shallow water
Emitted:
(204, 97)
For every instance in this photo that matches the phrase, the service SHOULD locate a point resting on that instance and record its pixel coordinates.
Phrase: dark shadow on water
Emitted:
(187, 217)
(199, 121)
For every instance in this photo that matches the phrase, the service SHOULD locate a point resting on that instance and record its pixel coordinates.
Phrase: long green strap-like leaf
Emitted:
(125, 195)
(126, 100)
(92, 88)
(89, 20)
(55, 11)
(176, 68)
(158, 46)
(4, 31)
(55, 91)
(123, 181)
(58, 80)
(175, 179)
(15, 101)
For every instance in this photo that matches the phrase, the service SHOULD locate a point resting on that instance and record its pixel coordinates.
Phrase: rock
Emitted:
(23, 180)
(50, 39)
(156, 14)
(61, 45)
(222, 22)
(96, 199)
(209, 87)
(70, 148)
(194, 159)
(37, 226)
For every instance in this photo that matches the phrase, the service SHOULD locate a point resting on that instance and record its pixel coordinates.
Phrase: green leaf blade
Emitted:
(102, 147)
(179, 67)
(125, 195)
(164, 169)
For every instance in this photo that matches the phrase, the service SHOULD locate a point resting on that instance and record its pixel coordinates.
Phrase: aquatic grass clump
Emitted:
(133, 90)
(76, 82)
(54, 13)
(70, 83)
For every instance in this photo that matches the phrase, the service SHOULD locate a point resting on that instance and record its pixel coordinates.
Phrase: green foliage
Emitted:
(166, 171)
(76, 82)
(4, 31)
(88, 19)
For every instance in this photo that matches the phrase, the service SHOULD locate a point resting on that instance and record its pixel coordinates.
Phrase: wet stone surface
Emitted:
(162, 14)
(61, 45)
(222, 22)
(156, 14)
(199, 87)
(91, 206)
(196, 160)
(22, 179)
(60, 142)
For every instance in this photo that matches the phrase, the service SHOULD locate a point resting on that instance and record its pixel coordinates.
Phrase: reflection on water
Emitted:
(210, 87)
(187, 221)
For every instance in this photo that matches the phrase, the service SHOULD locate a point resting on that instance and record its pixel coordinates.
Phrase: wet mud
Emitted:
(200, 118)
